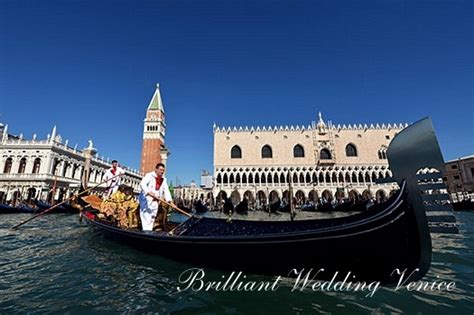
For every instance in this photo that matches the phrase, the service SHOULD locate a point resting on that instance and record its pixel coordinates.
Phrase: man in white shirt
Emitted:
(113, 184)
(153, 187)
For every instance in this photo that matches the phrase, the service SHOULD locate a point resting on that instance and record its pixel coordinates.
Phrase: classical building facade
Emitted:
(49, 169)
(320, 160)
(459, 178)
(154, 127)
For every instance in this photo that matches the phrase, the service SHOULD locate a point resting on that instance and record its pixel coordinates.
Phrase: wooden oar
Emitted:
(57, 205)
(174, 207)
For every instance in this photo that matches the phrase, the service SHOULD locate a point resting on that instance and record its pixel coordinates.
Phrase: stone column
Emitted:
(15, 165)
(29, 165)
(88, 153)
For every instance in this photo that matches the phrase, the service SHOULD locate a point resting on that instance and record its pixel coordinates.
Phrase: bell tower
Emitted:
(153, 148)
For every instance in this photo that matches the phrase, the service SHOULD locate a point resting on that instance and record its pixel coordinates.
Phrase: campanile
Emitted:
(154, 126)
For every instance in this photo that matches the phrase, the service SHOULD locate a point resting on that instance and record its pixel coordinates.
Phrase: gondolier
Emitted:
(114, 183)
(153, 187)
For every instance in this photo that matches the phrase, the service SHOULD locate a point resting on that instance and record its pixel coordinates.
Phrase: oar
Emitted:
(57, 205)
(174, 207)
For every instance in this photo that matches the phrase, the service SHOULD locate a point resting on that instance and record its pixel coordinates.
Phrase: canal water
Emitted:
(55, 264)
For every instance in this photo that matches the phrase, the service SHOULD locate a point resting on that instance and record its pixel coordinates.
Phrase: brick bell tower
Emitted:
(153, 148)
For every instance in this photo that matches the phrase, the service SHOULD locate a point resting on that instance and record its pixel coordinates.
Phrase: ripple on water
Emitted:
(55, 264)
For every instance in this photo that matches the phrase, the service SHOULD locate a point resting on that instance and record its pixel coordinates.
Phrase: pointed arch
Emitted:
(282, 178)
(354, 177)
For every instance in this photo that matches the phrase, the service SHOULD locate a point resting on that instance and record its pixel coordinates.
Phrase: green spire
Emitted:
(156, 103)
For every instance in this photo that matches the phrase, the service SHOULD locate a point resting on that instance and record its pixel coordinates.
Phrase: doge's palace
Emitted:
(322, 160)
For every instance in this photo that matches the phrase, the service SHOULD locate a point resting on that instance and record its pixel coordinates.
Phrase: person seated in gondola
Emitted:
(200, 206)
(228, 206)
(242, 207)
(153, 186)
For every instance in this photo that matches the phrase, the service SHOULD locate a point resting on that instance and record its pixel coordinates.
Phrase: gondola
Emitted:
(370, 245)
(22, 208)
(64, 208)
(465, 205)
(7, 209)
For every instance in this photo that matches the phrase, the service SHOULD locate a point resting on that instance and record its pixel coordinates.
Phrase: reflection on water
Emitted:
(55, 264)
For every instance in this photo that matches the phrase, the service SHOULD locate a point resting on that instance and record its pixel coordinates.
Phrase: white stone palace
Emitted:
(323, 160)
(48, 169)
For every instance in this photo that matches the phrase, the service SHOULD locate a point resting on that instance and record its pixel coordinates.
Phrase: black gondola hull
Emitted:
(370, 251)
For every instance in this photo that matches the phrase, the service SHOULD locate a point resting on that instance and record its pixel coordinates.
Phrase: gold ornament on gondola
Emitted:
(121, 208)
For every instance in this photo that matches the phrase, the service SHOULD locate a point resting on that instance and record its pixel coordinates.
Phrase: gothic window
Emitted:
(8, 166)
(298, 151)
(267, 152)
(269, 178)
(351, 150)
(219, 178)
(325, 154)
(36, 166)
(236, 152)
(282, 178)
(22, 166)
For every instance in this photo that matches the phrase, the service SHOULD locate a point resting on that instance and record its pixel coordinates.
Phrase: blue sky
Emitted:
(90, 67)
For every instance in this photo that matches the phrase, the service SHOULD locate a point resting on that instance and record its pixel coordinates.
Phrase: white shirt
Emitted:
(114, 183)
(147, 185)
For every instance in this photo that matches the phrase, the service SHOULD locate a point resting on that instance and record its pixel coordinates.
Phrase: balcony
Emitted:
(326, 162)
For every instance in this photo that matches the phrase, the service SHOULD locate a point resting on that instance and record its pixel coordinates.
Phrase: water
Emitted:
(54, 264)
